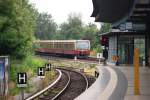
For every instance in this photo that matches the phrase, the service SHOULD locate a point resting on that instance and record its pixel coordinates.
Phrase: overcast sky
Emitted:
(59, 9)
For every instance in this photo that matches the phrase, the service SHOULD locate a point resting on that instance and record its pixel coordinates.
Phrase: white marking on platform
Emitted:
(110, 87)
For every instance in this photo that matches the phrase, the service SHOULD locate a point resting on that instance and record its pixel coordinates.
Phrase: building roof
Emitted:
(120, 11)
(122, 33)
(112, 11)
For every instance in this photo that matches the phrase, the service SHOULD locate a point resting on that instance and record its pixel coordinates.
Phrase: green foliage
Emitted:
(73, 28)
(17, 23)
(91, 33)
(97, 48)
(46, 27)
(105, 28)
(28, 65)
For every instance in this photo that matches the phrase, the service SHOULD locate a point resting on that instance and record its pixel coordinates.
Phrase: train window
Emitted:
(71, 46)
(84, 45)
(55, 45)
(65, 46)
(61, 45)
(50, 45)
(58, 45)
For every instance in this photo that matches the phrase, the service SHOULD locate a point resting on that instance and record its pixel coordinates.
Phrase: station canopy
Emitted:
(119, 11)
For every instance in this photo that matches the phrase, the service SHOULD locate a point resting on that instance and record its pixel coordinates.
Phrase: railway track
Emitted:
(92, 59)
(58, 89)
(78, 84)
(70, 85)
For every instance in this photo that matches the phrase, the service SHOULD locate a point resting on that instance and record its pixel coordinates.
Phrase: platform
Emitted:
(144, 83)
(110, 85)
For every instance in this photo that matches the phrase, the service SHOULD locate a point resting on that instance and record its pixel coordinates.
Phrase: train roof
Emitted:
(60, 40)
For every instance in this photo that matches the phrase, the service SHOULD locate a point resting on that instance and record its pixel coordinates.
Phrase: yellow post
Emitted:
(136, 72)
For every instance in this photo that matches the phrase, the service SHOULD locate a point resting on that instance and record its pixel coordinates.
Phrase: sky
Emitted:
(60, 9)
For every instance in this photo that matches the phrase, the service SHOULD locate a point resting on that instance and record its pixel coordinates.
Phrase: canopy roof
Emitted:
(119, 11)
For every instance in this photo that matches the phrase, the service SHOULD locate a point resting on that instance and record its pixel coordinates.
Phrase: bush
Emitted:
(17, 26)
(28, 65)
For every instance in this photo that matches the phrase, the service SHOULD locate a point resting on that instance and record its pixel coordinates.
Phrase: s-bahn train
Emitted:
(78, 48)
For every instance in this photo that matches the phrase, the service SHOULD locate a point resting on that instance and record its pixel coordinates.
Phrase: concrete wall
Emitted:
(112, 48)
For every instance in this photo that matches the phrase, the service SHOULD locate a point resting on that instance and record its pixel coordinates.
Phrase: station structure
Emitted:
(130, 28)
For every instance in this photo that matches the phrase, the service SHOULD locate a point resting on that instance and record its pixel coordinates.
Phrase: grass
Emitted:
(28, 65)
(89, 68)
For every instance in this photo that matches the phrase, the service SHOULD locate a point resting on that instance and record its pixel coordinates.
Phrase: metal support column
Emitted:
(147, 44)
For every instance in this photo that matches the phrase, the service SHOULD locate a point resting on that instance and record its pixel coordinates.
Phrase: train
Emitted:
(78, 48)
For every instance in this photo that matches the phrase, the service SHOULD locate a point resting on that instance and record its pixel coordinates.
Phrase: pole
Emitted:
(136, 71)
(22, 94)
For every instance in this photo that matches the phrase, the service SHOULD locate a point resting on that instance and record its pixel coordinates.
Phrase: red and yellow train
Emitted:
(78, 48)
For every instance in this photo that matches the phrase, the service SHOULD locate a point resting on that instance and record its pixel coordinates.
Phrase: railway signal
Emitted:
(22, 82)
(22, 79)
(104, 41)
(48, 66)
(41, 72)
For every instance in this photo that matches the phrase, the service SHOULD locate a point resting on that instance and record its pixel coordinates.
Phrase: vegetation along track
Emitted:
(71, 84)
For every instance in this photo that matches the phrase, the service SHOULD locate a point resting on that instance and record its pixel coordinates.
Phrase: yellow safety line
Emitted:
(136, 72)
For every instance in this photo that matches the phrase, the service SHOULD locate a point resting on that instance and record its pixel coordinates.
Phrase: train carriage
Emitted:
(79, 48)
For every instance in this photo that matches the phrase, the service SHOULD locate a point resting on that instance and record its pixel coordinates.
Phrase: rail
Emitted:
(63, 88)
(87, 83)
(47, 88)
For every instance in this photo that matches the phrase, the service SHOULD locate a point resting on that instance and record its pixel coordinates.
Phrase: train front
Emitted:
(83, 48)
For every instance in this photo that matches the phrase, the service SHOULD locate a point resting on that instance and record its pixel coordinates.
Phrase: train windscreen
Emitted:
(82, 45)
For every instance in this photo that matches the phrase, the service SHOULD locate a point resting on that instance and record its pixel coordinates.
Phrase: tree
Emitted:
(17, 23)
(105, 28)
(46, 27)
(73, 28)
(91, 33)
